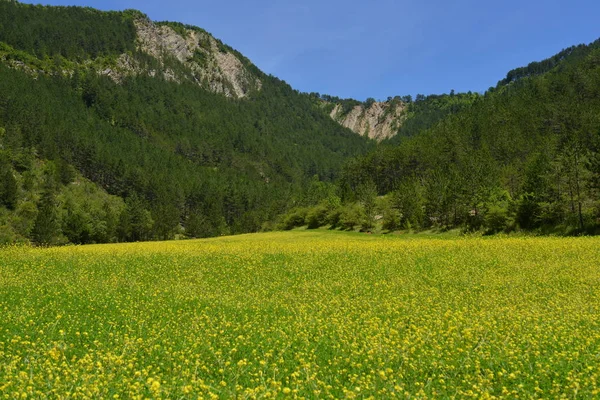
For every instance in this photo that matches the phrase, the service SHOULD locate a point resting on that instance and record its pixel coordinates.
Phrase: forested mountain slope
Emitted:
(402, 116)
(180, 133)
(117, 128)
(395, 118)
(524, 155)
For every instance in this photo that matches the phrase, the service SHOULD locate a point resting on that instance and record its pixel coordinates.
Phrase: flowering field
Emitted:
(303, 315)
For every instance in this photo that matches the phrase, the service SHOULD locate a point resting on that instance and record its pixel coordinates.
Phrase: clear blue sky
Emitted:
(383, 48)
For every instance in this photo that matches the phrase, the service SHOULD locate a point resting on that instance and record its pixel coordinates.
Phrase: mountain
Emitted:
(525, 155)
(170, 131)
(117, 128)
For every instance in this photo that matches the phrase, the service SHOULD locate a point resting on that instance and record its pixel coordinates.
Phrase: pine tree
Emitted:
(8, 188)
(46, 229)
(136, 221)
(367, 195)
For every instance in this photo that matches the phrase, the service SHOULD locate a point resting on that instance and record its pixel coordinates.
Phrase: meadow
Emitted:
(303, 315)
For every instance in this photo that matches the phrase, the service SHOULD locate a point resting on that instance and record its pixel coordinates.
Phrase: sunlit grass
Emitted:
(303, 314)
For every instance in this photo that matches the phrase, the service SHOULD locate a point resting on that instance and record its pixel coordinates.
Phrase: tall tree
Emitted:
(8, 185)
(46, 229)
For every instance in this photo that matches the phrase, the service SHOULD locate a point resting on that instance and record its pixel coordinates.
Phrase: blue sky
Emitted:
(382, 48)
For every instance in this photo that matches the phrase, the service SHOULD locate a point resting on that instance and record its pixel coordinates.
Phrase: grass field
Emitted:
(305, 315)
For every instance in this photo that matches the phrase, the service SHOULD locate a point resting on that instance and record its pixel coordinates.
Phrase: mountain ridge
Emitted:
(192, 151)
(174, 134)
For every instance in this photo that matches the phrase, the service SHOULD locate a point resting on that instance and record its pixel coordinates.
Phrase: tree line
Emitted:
(523, 156)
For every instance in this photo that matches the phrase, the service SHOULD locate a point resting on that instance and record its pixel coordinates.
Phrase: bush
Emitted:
(334, 216)
(316, 217)
(528, 211)
(24, 218)
(475, 220)
(268, 226)
(7, 235)
(351, 216)
(390, 216)
(294, 218)
(391, 220)
(497, 219)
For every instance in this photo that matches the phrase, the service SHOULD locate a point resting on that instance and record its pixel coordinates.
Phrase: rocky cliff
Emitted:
(377, 120)
(213, 66)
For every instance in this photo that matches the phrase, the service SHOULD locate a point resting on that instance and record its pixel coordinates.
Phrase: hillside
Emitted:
(117, 128)
(523, 156)
(187, 132)
(397, 117)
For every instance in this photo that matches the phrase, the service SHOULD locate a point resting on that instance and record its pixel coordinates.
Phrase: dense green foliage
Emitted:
(74, 33)
(426, 111)
(186, 160)
(50, 203)
(161, 157)
(570, 55)
(525, 155)
(331, 101)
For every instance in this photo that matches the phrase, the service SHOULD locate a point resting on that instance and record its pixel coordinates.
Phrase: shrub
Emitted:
(294, 218)
(390, 216)
(352, 215)
(7, 235)
(334, 216)
(497, 220)
(316, 217)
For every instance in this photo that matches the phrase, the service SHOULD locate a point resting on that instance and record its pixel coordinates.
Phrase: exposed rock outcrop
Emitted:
(379, 121)
(212, 67)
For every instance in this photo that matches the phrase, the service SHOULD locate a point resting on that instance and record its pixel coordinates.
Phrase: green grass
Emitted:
(304, 314)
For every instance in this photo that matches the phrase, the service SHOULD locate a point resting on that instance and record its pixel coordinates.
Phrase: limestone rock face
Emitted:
(379, 121)
(206, 61)
(159, 41)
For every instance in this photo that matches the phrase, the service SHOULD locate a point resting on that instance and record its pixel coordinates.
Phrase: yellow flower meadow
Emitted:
(303, 315)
